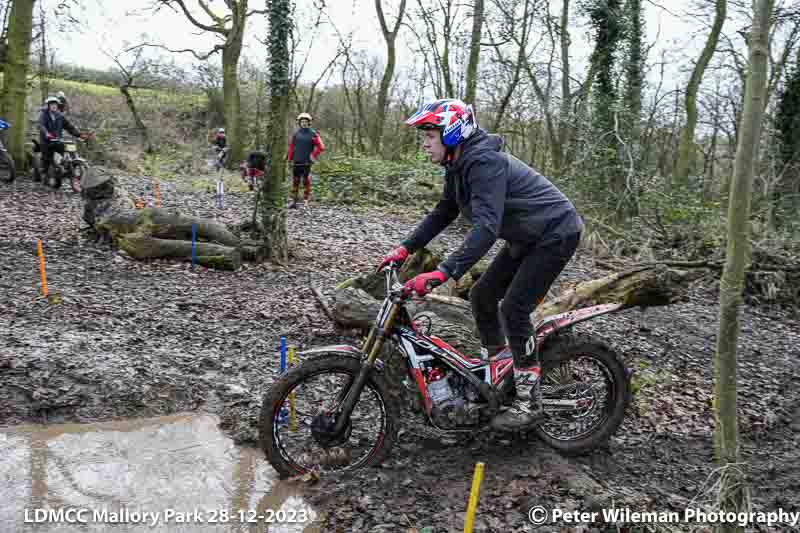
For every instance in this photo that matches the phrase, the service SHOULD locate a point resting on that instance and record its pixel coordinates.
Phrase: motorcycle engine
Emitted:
(454, 401)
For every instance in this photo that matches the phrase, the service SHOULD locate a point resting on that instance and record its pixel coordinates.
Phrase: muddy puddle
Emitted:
(167, 474)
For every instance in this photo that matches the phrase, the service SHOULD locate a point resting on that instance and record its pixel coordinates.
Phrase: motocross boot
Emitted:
(526, 409)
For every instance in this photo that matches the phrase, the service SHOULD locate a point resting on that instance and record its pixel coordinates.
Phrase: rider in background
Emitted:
(219, 139)
(51, 125)
(503, 198)
(220, 142)
(63, 105)
(305, 146)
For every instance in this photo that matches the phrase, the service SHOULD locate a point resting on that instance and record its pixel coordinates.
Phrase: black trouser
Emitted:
(48, 149)
(521, 281)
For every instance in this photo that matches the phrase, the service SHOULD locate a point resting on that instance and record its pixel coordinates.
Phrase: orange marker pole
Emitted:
(158, 194)
(41, 268)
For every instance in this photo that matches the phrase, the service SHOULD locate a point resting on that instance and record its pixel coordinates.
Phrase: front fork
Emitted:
(372, 346)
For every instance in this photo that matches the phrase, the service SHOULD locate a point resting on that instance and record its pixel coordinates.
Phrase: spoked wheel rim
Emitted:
(303, 449)
(585, 387)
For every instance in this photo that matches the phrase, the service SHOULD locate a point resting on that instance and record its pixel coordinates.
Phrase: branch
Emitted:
(199, 57)
(323, 303)
(190, 17)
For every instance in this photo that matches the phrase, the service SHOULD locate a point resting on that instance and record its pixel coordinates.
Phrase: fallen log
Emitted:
(167, 224)
(356, 302)
(154, 233)
(209, 255)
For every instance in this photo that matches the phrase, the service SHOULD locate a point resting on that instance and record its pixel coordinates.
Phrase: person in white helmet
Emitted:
(63, 106)
(305, 147)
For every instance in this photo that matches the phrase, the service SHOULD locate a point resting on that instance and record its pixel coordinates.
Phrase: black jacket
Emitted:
(54, 124)
(502, 197)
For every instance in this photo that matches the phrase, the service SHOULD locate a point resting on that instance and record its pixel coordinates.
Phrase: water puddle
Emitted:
(168, 474)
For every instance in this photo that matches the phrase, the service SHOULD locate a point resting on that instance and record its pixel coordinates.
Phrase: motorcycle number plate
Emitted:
(70, 147)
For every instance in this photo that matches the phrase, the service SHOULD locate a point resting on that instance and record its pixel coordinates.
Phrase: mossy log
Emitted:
(154, 233)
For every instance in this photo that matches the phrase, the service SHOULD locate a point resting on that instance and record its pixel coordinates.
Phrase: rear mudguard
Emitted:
(554, 323)
(340, 349)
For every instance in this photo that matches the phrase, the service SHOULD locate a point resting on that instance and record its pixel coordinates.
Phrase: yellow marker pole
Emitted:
(473, 497)
(41, 268)
(292, 419)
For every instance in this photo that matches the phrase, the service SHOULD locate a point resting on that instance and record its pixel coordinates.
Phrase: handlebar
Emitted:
(396, 289)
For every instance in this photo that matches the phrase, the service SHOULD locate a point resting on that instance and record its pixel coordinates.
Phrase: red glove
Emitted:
(424, 283)
(397, 255)
(51, 135)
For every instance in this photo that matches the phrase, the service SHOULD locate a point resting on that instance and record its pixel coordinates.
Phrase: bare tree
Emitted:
(390, 37)
(686, 150)
(135, 72)
(733, 493)
(475, 50)
(230, 28)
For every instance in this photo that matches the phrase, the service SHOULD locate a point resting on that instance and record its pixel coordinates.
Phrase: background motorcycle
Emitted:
(66, 163)
(8, 171)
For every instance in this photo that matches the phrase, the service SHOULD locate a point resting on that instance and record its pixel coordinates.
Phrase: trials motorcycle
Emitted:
(331, 412)
(67, 163)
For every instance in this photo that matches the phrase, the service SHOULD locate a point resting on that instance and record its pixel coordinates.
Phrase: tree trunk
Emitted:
(686, 148)
(136, 118)
(634, 65)
(20, 32)
(231, 96)
(44, 74)
(474, 52)
(733, 492)
(388, 73)
(271, 201)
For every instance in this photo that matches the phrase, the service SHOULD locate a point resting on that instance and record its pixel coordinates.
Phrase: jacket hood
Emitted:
(480, 142)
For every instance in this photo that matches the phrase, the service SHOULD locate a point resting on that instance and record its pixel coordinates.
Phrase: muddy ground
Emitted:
(128, 339)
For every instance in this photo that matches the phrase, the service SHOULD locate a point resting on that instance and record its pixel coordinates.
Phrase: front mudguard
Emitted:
(343, 350)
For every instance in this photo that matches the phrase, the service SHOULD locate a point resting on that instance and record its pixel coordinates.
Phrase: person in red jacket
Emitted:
(305, 147)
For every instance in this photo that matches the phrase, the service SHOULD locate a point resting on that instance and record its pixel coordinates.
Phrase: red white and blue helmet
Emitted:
(451, 116)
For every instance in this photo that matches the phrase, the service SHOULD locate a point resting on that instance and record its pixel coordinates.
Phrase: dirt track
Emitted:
(131, 339)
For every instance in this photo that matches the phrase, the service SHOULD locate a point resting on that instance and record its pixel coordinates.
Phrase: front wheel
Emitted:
(8, 171)
(79, 170)
(298, 413)
(585, 391)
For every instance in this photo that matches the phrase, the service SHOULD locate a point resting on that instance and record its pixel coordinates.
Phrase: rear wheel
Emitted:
(53, 177)
(8, 171)
(298, 414)
(585, 392)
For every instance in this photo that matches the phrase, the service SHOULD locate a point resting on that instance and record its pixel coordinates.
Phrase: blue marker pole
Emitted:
(284, 412)
(194, 251)
(283, 355)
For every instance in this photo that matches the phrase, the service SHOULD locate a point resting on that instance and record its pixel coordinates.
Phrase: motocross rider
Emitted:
(51, 124)
(503, 198)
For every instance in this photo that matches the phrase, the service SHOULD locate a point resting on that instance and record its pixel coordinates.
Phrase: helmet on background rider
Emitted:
(221, 130)
(454, 119)
(60, 95)
(302, 116)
